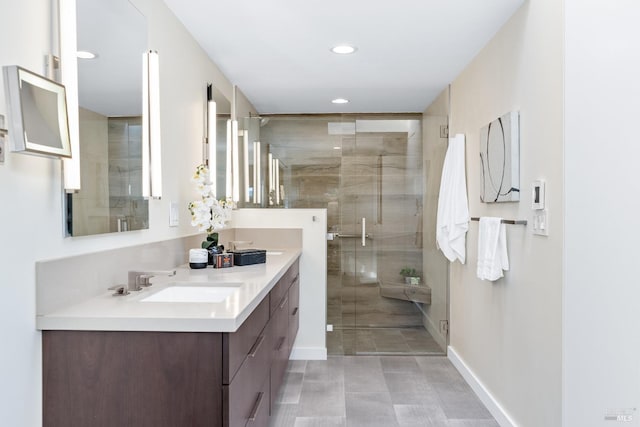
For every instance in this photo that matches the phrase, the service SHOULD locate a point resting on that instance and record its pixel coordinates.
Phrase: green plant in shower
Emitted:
(408, 272)
(410, 275)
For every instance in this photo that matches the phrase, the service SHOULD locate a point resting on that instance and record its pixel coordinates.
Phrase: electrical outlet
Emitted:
(329, 328)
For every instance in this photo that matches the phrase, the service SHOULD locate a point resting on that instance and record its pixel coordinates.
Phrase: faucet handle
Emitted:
(120, 290)
(138, 279)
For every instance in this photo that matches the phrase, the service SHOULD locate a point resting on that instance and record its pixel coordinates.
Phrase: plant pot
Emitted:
(413, 281)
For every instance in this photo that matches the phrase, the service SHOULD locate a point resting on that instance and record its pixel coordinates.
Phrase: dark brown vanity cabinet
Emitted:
(158, 379)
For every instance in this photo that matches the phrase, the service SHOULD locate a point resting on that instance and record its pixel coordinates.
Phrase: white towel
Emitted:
(453, 209)
(492, 249)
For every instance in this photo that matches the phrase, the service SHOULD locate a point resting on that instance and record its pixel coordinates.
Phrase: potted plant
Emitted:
(410, 276)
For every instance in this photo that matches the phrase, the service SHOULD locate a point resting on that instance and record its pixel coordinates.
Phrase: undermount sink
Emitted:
(195, 292)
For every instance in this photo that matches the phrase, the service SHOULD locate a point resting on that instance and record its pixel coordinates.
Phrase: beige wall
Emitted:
(509, 332)
(31, 221)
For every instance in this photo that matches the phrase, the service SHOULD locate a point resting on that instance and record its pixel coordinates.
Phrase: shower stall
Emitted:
(368, 171)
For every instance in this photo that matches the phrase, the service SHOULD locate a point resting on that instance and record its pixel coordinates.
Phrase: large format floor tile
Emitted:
(372, 391)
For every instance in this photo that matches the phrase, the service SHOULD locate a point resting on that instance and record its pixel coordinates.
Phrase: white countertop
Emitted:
(128, 313)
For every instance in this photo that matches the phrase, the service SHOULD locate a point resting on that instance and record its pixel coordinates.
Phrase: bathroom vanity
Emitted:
(133, 361)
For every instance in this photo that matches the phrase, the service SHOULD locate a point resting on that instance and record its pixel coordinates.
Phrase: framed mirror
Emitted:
(110, 113)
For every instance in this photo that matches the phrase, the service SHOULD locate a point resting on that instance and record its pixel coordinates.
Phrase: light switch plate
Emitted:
(174, 214)
(541, 222)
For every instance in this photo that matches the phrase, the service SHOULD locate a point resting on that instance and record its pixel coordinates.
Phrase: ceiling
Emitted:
(277, 51)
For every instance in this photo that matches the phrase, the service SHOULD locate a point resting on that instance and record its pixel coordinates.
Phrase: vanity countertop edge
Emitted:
(128, 313)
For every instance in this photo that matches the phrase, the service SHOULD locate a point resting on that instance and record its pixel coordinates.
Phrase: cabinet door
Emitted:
(259, 416)
(241, 395)
(279, 327)
(294, 313)
(142, 379)
(283, 285)
(237, 345)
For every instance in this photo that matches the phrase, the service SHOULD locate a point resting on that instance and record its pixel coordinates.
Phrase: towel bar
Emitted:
(505, 221)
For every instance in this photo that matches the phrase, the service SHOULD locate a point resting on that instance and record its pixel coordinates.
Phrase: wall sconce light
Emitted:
(257, 184)
(151, 144)
(69, 77)
(271, 179)
(229, 162)
(236, 160)
(233, 155)
(245, 160)
(276, 171)
(211, 138)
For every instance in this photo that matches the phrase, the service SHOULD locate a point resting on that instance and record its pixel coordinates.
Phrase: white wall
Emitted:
(310, 343)
(30, 187)
(508, 333)
(601, 342)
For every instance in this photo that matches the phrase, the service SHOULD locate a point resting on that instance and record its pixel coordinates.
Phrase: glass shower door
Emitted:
(381, 213)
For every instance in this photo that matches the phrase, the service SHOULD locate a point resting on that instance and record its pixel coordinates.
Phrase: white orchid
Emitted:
(208, 214)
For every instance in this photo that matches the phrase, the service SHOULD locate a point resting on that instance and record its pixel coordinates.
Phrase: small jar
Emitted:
(198, 258)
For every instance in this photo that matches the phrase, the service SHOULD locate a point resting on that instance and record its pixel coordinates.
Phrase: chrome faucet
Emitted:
(140, 279)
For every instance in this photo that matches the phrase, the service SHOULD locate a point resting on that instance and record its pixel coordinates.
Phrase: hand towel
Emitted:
(492, 249)
(452, 220)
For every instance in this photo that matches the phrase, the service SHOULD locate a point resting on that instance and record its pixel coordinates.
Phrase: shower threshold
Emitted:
(369, 340)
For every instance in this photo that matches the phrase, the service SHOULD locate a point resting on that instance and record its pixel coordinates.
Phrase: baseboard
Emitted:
(476, 385)
(308, 353)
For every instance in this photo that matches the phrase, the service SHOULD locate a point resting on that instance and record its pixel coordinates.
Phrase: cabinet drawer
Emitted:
(294, 312)
(259, 416)
(281, 288)
(242, 394)
(236, 346)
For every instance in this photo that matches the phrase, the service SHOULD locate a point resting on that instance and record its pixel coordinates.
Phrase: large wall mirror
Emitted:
(110, 113)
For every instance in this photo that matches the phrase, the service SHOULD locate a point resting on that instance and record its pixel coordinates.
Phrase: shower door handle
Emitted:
(364, 232)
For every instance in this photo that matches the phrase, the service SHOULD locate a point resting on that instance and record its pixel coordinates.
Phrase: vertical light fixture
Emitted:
(229, 163)
(245, 159)
(271, 177)
(69, 77)
(151, 144)
(254, 198)
(258, 172)
(276, 168)
(211, 138)
(235, 155)
(236, 161)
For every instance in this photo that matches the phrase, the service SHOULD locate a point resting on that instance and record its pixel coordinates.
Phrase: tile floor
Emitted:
(377, 391)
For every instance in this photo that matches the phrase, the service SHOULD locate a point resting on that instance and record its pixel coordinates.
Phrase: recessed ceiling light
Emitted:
(343, 49)
(83, 54)
(337, 148)
(340, 101)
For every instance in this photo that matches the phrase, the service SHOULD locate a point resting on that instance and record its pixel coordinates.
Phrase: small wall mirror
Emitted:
(110, 100)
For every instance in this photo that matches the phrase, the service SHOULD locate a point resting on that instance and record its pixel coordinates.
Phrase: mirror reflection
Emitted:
(110, 100)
